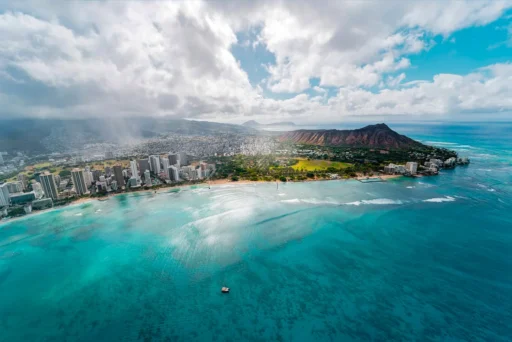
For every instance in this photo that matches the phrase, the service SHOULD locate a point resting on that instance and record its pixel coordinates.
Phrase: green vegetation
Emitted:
(8, 176)
(319, 165)
(269, 168)
(15, 212)
(41, 166)
(65, 173)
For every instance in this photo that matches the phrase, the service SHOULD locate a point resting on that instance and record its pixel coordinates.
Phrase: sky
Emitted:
(232, 61)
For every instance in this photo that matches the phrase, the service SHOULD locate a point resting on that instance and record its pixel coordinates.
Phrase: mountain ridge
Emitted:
(377, 136)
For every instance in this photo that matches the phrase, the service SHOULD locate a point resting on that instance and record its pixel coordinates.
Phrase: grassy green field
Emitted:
(319, 165)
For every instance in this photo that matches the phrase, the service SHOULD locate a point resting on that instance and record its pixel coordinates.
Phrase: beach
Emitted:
(83, 200)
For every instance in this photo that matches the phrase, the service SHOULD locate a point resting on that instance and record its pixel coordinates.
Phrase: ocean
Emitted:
(427, 259)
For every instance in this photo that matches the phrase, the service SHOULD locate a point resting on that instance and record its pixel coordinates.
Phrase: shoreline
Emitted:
(225, 181)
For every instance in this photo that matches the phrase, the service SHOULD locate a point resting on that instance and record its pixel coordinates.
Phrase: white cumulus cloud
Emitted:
(77, 59)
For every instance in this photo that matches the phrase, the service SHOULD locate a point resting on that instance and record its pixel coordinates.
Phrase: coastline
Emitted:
(83, 200)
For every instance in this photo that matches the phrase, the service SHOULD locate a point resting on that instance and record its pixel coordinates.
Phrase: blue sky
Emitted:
(302, 61)
(462, 52)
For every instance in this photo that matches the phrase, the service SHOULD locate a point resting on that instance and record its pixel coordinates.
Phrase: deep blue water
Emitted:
(425, 259)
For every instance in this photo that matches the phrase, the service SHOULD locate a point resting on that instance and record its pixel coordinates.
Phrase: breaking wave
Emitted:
(311, 201)
(440, 199)
(441, 143)
(378, 201)
(485, 187)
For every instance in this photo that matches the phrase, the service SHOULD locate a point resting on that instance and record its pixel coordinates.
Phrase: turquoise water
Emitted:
(411, 259)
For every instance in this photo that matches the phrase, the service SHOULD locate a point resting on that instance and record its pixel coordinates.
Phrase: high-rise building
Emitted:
(14, 187)
(62, 185)
(188, 173)
(173, 173)
(38, 190)
(23, 179)
(113, 185)
(108, 171)
(412, 167)
(125, 173)
(147, 178)
(79, 181)
(183, 159)
(57, 179)
(88, 178)
(96, 174)
(37, 176)
(154, 161)
(133, 168)
(101, 186)
(4, 195)
(118, 175)
(143, 165)
(165, 166)
(49, 186)
(134, 182)
(173, 158)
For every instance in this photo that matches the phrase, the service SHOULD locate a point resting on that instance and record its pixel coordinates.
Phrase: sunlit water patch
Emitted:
(407, 259)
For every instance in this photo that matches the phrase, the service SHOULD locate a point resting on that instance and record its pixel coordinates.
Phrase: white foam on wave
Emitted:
(281, 194)
(441, 143)
(310, 201)
(483, 156)
(377, 201)
(410, 187)
(295, 200)
(79, 214)
(440, 199)
(485, 187)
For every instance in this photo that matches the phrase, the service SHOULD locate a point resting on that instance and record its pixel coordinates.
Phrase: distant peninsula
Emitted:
(255, 124)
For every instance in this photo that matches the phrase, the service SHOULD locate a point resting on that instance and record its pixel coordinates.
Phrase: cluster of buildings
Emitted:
(168, 168)
(156, 169)
(12, 163)
(17, 194)
(410, 168)
(47, 187)
(430, 167)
